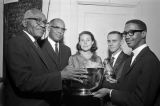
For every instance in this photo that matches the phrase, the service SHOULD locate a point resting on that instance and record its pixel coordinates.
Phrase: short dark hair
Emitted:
(139, 23)
(116, 32)
(94, 46)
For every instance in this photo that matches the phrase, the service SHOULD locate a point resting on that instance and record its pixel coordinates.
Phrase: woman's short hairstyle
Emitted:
(94, 46)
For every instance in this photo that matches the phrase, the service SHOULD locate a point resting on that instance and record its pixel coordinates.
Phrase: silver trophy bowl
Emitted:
(89, 84)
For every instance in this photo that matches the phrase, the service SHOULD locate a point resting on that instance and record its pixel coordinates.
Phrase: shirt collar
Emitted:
(139, 49)
(30, 36)
(53, 43)
(117, 54)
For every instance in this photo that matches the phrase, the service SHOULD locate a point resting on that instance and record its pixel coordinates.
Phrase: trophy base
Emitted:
(82, 92)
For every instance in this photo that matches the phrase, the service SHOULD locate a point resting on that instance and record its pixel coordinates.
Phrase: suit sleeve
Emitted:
(109, 85)
(21, 72)
(146, 87)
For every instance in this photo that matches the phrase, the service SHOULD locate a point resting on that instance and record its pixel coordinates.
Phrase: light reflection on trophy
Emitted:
(108, 69)
(89, 84)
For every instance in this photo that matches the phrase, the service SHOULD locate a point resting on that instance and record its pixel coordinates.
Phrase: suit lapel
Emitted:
(137, 59)
(51, 53)
(38, 51)
(139, 56)
(62, 53)
(118, 61)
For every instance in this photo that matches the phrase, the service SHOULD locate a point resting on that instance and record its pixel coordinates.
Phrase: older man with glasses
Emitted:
(27, 76)
(30, 78)
(57, 53)
(140, 82)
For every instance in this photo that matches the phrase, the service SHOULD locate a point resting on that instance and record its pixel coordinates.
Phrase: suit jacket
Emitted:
(58, 63)
(30, 80)
(140, 83)
(118, 66)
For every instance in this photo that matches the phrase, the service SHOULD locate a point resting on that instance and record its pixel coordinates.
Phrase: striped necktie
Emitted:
(131, 56)
(36, 44)
(56, 49)
(112, 61)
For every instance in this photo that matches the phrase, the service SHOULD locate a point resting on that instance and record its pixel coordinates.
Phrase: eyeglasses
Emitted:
(131, 32)
(57, 27)
(38, 20)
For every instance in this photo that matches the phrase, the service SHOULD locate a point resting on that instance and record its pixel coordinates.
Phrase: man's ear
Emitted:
(122, 41)
(24, 23)
(144, 34)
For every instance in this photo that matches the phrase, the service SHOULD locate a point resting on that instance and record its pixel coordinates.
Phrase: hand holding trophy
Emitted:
(109, 72)
(94, 73)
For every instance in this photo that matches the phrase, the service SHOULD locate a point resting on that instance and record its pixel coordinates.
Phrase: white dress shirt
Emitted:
(30, 36)
(137, 51)
(53, 43)
(115, 57)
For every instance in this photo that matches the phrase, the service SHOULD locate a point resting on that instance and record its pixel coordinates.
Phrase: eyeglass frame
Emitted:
(131, 32)
(38, 20)
(57, 27)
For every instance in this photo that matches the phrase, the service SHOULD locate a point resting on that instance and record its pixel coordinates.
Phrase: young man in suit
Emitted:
(30, 79)
(116, 57)
(116, 60)
(140, 80)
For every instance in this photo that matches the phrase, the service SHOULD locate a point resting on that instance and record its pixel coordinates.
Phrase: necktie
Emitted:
(36, 44)
(132, 54)
(112, 61)
(56, 48)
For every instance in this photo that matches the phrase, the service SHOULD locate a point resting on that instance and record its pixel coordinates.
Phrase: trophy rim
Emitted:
(88, 91)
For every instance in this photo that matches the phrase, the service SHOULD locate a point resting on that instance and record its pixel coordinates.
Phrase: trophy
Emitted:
(108, 69)
(89, 84)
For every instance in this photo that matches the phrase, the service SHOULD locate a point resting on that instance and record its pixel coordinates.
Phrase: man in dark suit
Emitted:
(56, 52)
(140, 81)
(30, 80)
(53, 47)
(116, 59)
(116, 56)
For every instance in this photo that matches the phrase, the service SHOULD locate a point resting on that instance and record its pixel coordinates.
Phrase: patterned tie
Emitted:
(112, 73)
(132, 54)
(112, 61)
(36, 44)
(56, 48)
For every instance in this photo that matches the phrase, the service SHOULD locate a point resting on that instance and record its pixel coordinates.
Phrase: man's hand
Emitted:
(110, 79)
(74, 74)
(101, 92)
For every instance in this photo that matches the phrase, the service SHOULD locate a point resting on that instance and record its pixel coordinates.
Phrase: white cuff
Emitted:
(110, 93)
